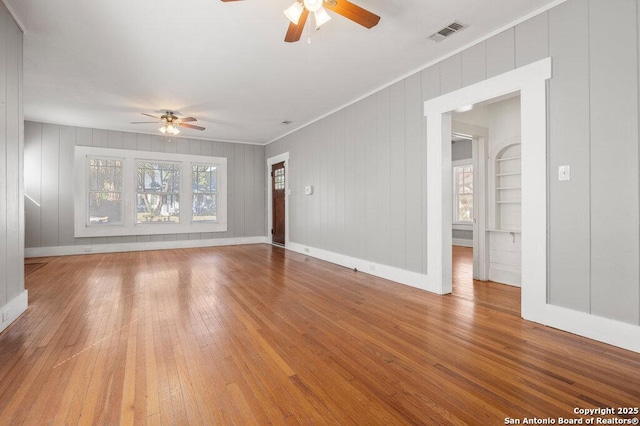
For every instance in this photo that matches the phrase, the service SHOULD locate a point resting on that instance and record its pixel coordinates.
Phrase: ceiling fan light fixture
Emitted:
(313, 5)
(293, 12)
(321, 16)
(163, 129)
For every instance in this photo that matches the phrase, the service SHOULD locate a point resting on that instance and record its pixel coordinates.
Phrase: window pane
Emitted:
(204, 208)
(105, 207)
(158, 208)
(158, 198)
(465, 207)
(204, 187)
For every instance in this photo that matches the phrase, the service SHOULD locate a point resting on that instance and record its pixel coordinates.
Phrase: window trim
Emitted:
(129, 227)
(460, 223)
(88, 191)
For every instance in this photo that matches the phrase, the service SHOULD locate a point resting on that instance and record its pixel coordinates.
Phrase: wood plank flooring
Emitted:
(257, 335)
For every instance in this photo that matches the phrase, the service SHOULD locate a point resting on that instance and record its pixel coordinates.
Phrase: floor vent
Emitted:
(447, 31)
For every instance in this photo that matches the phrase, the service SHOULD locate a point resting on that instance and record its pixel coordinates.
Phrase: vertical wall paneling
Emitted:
(398, 162)
(569, 253)
(100, 138)
(349, 182)
(339, 133)
(474, 64)
(5, 159)
(32, 180)
(451, 74)
(363, 112)
(49, 175)
(65, 176)
(114, 139)
(12, 187)
(382, 191)
(259, 192)
(14, 275)
(249, 198)
(532, 40)
(130, 141)
(614, 149)
(49, 191)
(500, 53)
(413, 172)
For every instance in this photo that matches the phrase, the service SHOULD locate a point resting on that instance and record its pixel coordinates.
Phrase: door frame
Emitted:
(531, 81)
(479, 137)
(270, 162)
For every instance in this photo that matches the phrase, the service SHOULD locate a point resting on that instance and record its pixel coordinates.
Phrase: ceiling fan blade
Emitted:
(190, 126)
(149, 115)
(295, 31)
(143, 122)
(186, 119)
(355, 13)
(230, 0)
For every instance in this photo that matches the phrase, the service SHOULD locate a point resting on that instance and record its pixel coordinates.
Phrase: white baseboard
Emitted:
(616, 333)
(402, 276)
(462, 242)
(124, 247)
(12, 310)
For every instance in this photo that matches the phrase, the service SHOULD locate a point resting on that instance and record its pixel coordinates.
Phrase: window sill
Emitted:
(462, 226)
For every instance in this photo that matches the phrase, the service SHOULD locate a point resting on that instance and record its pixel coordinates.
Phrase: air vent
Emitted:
(447, 31)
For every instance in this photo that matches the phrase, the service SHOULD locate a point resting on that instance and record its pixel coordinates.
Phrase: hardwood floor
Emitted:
(256, 335)
(483, 293)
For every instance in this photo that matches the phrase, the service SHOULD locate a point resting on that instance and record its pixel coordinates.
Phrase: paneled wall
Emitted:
(49, 157)
(11, 182)
(367, 161)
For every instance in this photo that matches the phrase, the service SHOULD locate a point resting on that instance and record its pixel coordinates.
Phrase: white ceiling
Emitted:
(101, 63)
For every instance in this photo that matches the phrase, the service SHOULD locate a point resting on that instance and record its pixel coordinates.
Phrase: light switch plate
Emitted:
(564, 173)
(308, 189)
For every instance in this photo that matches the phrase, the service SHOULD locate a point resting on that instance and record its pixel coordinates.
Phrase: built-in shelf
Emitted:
(507, 188)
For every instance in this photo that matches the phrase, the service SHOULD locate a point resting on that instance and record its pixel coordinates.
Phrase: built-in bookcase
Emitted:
(508, 194)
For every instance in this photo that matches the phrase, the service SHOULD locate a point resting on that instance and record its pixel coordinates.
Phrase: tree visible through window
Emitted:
(204, 184)
(463, 193)
(158, 192)
(105, 191)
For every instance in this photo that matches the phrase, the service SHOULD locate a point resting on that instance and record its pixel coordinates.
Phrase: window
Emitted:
(158, 192)
(203, 187)
(125, 192)
(104, 192)
(463, 193)
(278, 181)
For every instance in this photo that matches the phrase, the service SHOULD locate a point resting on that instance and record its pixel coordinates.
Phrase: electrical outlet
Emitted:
(306, 249)
(6, 315)
(87, 249)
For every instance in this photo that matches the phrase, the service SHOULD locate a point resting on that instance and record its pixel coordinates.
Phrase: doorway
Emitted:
(278, 193)
(278, 183)
(530, 82)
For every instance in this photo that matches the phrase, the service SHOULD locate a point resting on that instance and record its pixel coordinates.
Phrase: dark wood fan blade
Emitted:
(355, 13)
(149, 115)
(295, 31)
(143, 122)
(230, 0)
(186, 119)
(190, 126)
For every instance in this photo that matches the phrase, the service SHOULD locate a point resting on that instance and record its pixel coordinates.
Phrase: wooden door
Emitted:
(278, 200)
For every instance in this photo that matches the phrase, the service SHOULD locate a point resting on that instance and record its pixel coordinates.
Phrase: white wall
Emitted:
(49, 161)
(367, 161)
(13, 296)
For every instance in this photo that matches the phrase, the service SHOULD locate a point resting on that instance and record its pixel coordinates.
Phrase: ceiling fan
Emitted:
(298, 13)
(170, 122)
